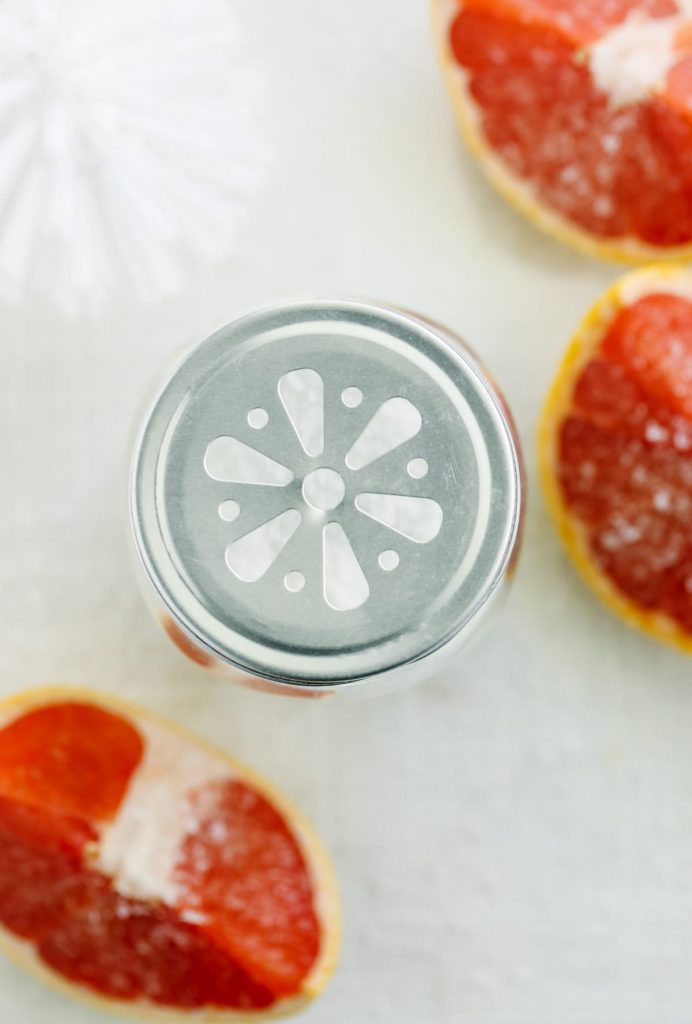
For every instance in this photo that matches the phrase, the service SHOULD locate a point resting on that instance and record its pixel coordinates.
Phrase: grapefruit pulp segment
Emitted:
(242, 854)
(71, 757)
(616, 452)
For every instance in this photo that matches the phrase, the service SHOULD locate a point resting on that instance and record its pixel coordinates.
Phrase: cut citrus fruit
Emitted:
(581, 114)
(615, 447)
(150, 874)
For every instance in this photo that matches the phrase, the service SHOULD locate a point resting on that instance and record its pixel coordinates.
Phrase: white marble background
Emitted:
(514, 841)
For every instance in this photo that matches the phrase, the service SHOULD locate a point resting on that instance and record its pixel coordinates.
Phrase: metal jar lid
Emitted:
(326, 491)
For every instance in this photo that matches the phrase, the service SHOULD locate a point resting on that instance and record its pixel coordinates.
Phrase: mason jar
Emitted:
(327, 497)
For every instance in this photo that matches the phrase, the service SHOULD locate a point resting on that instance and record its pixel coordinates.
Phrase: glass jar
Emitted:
(327, 496)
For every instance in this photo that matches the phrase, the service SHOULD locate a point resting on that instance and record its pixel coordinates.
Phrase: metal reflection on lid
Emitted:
(326, 493)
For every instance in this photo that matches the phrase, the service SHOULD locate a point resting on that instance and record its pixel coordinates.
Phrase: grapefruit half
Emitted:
(615, 451)
(580, 112)
(148, 873)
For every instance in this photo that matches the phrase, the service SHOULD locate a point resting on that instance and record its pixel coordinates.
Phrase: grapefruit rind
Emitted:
(657, 278)
(327, 901)
(519, 194)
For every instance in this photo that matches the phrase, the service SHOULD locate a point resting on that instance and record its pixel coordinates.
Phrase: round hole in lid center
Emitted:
(323, 489)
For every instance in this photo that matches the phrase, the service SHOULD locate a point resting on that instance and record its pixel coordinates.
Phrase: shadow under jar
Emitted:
(327, 496)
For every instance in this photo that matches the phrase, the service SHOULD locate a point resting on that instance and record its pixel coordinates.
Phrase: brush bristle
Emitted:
(127, 149)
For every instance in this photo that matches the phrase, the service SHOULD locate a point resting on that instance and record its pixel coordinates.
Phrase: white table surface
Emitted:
(514, 841)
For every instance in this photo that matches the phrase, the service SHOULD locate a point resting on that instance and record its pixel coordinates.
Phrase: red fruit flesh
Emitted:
(244, 935)
(41, 853)
(613, 172)
(625, 456)
(129, 949)
(70, 757)
(584, 20)
(652, 340)
(87, 932)
(243, 856)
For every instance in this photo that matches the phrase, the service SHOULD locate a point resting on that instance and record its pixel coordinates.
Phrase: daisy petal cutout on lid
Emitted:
(232, 461)
(323, 489)
(419, 519)
(395, 422)
(345, 585)
(252, 555)
(302, 396)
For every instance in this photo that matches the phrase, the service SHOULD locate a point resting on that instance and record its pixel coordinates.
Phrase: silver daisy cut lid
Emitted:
(326, 491)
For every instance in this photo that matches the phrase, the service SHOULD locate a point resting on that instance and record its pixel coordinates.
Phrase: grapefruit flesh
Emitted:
(622, 443)
(239, 841)
(561, 96)
(70, 757)
(244, 932)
